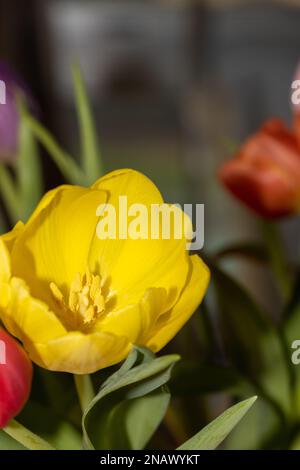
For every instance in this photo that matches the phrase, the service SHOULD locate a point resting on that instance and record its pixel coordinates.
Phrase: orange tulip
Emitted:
(265, 174)
(15, 378)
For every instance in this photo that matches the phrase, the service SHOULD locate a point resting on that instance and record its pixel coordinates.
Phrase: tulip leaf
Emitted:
(8, 443)
(91, 157)
(9, 194)
(130, 404)
(25, 437)
(252, 343)
(214, 433)
(260, 429)
(28, 167)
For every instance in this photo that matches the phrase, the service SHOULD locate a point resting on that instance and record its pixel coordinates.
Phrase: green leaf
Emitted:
(8, 443)
(260, 429)
(91, 156)
(9, 193)
(212, 435)
(28, 168)
(135, 396)
(252, 343)
(25, 437)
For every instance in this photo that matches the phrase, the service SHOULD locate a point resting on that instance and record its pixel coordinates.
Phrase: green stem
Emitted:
(68, 167)
(277, 259)
(10, 194)
(27, 438)
(85, 390)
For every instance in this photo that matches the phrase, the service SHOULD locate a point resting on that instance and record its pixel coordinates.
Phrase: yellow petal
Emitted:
(5, 295)
(55, 243)
(5, 270)
(10, 237)
(136, 321)
(78, 353)
(47, 199)
(170, 323)
(134, 265)
(28, 318)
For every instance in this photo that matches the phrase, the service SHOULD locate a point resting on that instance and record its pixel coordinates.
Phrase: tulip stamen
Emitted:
(86, 301)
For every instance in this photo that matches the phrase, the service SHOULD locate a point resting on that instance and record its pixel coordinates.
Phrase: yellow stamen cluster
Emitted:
(86, 301)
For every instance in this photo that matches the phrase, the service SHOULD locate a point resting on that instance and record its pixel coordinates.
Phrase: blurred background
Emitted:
(175, 86)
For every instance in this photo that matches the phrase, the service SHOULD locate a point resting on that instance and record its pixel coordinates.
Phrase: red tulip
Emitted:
(265, 174)
(15, 378)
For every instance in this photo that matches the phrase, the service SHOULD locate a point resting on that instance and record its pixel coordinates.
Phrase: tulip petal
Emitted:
(5, 271)
(134, 265)
(28, 318)
(136, 321)
(265, 173)
(10, 237)
(55, 244)
(78, 353)
(171, 322)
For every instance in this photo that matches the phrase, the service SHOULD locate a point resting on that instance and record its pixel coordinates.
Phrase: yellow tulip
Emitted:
(79, 303)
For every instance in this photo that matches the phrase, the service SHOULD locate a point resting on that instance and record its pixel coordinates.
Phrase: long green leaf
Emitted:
(28, 167)
(212, 435)
(25, 437)
(9, 192)
(8, 443)
(91, 156)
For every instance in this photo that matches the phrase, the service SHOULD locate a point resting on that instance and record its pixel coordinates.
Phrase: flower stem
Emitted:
(27, 438)
(85, 390)
(277, 257)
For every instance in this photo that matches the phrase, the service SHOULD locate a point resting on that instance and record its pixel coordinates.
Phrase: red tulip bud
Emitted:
(15, 378)
(265, 174)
